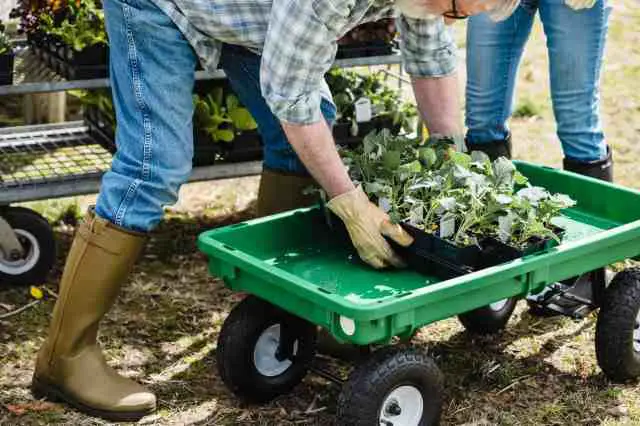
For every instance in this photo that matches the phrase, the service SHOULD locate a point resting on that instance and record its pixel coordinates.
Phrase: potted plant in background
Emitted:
(68, 36)
(6, 57)
(81, 39)
(384, 106)
(223, 130)
(369, 39)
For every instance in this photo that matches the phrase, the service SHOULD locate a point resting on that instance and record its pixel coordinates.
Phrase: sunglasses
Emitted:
(453, 13)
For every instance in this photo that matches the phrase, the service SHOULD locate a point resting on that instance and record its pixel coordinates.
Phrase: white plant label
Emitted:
(447, 226)
(363, 110)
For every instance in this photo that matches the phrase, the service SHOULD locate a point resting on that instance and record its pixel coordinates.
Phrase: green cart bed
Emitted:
(306, 268)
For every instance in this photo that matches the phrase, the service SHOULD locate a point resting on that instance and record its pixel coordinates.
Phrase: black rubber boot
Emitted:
(599, 169)
(494, 149)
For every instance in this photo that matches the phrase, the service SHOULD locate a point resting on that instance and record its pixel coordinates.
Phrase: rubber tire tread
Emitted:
(614, 327)
(236, 344)
(485, 320)
(32, 222)
(362, 395)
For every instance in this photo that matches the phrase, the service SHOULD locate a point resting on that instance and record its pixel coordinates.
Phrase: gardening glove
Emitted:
(580, 4)
(505, 10)
(366, 225)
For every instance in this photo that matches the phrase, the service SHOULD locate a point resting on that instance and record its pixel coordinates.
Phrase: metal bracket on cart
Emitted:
(10, 246)
(575, 297)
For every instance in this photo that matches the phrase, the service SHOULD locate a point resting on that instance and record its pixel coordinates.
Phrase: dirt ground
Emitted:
(163, 329)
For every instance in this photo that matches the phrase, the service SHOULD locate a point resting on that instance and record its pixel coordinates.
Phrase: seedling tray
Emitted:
(296, 261)
(343, 136)
(429, 252)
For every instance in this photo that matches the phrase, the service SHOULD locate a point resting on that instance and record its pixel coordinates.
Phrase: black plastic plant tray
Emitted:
(103, 132)
(100, 127)
(342, 131)
(432, 254)
(246, 146)
(6, 69)
(363, 50)
(496, 252)
(91, 62)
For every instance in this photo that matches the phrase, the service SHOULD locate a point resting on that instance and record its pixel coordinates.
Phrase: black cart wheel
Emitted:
(39, 248)
(618, 327)
(393, 388)
(489, 319)
(263, 351)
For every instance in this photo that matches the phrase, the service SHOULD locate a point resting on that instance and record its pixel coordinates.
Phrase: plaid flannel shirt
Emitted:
(297, 41)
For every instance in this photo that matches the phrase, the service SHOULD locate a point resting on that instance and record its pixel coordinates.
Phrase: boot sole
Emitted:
(42, 389)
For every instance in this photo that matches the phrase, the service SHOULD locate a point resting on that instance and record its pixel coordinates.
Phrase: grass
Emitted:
(164, 327)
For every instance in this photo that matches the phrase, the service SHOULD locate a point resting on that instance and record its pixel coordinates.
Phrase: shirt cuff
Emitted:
(436, 63)
(304, 109)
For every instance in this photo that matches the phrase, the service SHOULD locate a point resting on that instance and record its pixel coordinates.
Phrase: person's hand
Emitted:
(580, 4)
(505, 10)
(366, 225)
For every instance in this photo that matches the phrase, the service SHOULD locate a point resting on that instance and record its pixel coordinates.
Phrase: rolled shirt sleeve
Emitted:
(299, 49)
(428, 48)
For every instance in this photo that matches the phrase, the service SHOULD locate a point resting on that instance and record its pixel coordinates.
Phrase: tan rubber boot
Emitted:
(281, 192)
(70, 366)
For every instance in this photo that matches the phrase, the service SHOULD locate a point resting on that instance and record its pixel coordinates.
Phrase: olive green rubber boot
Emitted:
(281, 192)
(70, 365)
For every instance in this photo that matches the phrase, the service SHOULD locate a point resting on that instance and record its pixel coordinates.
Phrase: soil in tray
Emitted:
(434, 255)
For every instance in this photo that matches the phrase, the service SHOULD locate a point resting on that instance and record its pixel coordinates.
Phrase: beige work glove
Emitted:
(580, 4)
(366, 225)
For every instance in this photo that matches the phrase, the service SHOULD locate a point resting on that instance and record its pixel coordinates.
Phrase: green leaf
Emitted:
(461, 159)
(391, 160)
(427, 156)
(242, 119)
(216, 96)
(533, 194)
(520, 179)
(479, 157)
(224, 135)
(232, 102)
(410, 168)
(504, 171)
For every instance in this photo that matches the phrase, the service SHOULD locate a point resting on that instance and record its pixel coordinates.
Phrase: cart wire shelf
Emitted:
(36, 155)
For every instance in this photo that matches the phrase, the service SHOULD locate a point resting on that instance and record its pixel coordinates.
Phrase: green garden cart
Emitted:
(301, 275)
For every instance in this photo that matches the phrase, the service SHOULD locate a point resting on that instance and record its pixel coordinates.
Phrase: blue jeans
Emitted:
(575, 43)
(152, 77)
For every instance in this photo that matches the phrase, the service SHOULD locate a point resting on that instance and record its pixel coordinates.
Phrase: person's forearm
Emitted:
(439, 104)
(316, 148)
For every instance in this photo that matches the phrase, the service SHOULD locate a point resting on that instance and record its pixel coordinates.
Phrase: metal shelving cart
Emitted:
(59, 160)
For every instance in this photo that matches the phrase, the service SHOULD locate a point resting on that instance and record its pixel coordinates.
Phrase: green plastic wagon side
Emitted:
(297, 262)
